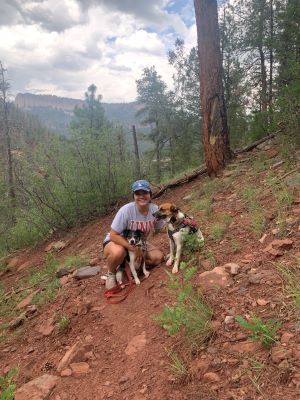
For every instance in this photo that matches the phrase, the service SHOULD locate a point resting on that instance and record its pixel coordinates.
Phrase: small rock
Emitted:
(279, 353)
(144, 389)
(286, 337)
(262, 302)
(13, 262)
(25, 302)
(47, 327)
(86, 272)
(69, 356)
(199, 367)
(37, 389)
(88, 339)
(30, 310)
(211, 377)
(263, 238)
(216, 278)
(66, 372)
(62, 272)
(278, 247)
(232, 268)
(64, 280)
(79, 368)
(123, 380)
(15, 323)
(229, 319)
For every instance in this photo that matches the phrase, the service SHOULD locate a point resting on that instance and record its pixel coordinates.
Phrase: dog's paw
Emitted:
(175, 269)
(137, 281)
(169, 262)
(146, 273)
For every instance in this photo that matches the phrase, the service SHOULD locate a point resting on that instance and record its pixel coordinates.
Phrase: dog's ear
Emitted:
(139, 233)
(173, 208)
(125, 233)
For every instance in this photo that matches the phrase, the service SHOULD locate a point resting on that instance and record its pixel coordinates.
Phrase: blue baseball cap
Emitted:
(141, 185)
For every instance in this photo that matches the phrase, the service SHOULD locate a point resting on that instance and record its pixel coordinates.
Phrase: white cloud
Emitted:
(61, 48)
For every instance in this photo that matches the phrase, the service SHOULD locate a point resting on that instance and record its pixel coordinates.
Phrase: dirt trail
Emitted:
(125, 350)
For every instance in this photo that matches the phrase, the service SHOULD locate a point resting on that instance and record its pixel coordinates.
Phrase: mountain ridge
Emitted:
(57, 112)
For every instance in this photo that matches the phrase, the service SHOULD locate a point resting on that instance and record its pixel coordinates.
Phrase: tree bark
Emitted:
(136, 152)
(263, 71)
(213, 111)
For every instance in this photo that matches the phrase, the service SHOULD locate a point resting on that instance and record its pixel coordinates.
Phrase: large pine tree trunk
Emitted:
(263, 71)
(214, 120)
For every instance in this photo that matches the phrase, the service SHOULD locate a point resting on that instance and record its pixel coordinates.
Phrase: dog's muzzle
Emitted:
(157, 215)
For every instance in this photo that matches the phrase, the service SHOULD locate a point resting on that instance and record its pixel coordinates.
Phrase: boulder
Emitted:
(214, 279)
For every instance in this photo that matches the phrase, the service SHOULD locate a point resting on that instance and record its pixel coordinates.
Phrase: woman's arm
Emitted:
(119, 239)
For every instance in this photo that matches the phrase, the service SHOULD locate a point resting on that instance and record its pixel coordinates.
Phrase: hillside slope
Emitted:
(251, 218)
(57, 112)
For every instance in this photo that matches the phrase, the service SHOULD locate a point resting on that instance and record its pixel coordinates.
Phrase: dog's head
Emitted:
(167, 212)
(135, 238)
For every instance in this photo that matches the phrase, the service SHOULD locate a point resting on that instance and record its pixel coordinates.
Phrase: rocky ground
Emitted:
(251, 222)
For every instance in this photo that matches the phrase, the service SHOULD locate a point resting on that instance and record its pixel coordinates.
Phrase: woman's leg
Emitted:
(154, 256)
(114, 254)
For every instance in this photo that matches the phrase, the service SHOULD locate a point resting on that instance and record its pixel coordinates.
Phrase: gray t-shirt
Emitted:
(129, 217)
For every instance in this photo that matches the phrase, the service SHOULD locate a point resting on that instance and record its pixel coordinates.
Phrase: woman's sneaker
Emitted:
(110, 280)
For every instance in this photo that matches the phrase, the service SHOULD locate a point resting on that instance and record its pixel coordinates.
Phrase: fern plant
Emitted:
(263, 332)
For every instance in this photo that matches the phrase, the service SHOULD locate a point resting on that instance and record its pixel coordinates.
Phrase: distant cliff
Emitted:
(57, 112)
(28, 100)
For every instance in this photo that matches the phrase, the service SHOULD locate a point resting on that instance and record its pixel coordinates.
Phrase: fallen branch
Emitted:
(202, 169)
(187, 178)
(254, 144)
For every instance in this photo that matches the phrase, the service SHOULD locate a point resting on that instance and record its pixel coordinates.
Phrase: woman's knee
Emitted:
(114, 252)
(155, 257)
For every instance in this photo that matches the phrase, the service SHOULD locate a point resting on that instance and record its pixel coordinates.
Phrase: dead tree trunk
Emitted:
(213, 111)
(136, 152)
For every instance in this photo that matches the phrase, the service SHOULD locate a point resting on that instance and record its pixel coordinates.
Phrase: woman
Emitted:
(137, 215)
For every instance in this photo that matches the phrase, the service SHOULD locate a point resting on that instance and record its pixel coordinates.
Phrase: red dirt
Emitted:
(245, 371)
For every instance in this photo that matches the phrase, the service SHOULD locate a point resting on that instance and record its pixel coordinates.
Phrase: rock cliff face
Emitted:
(28, 100)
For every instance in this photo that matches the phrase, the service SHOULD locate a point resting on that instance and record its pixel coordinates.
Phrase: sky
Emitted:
(60, 47)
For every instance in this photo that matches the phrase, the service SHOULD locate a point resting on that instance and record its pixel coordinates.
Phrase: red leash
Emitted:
(114, 295)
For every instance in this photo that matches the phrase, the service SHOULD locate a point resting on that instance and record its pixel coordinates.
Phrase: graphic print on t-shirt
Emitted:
(144, 226)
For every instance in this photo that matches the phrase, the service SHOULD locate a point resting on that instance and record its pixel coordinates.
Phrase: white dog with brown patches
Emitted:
(178, 225)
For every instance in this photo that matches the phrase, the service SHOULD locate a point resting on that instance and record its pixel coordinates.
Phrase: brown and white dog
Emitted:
(137, 259)
(178, 225)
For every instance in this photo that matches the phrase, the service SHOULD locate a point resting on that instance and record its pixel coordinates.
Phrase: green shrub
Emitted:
(217, 231)
(63, 323)
(236, 246)
(192, 244)
(204, 205)
(263, 332)
(257, 221)
(189, 314)
(7, 384)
